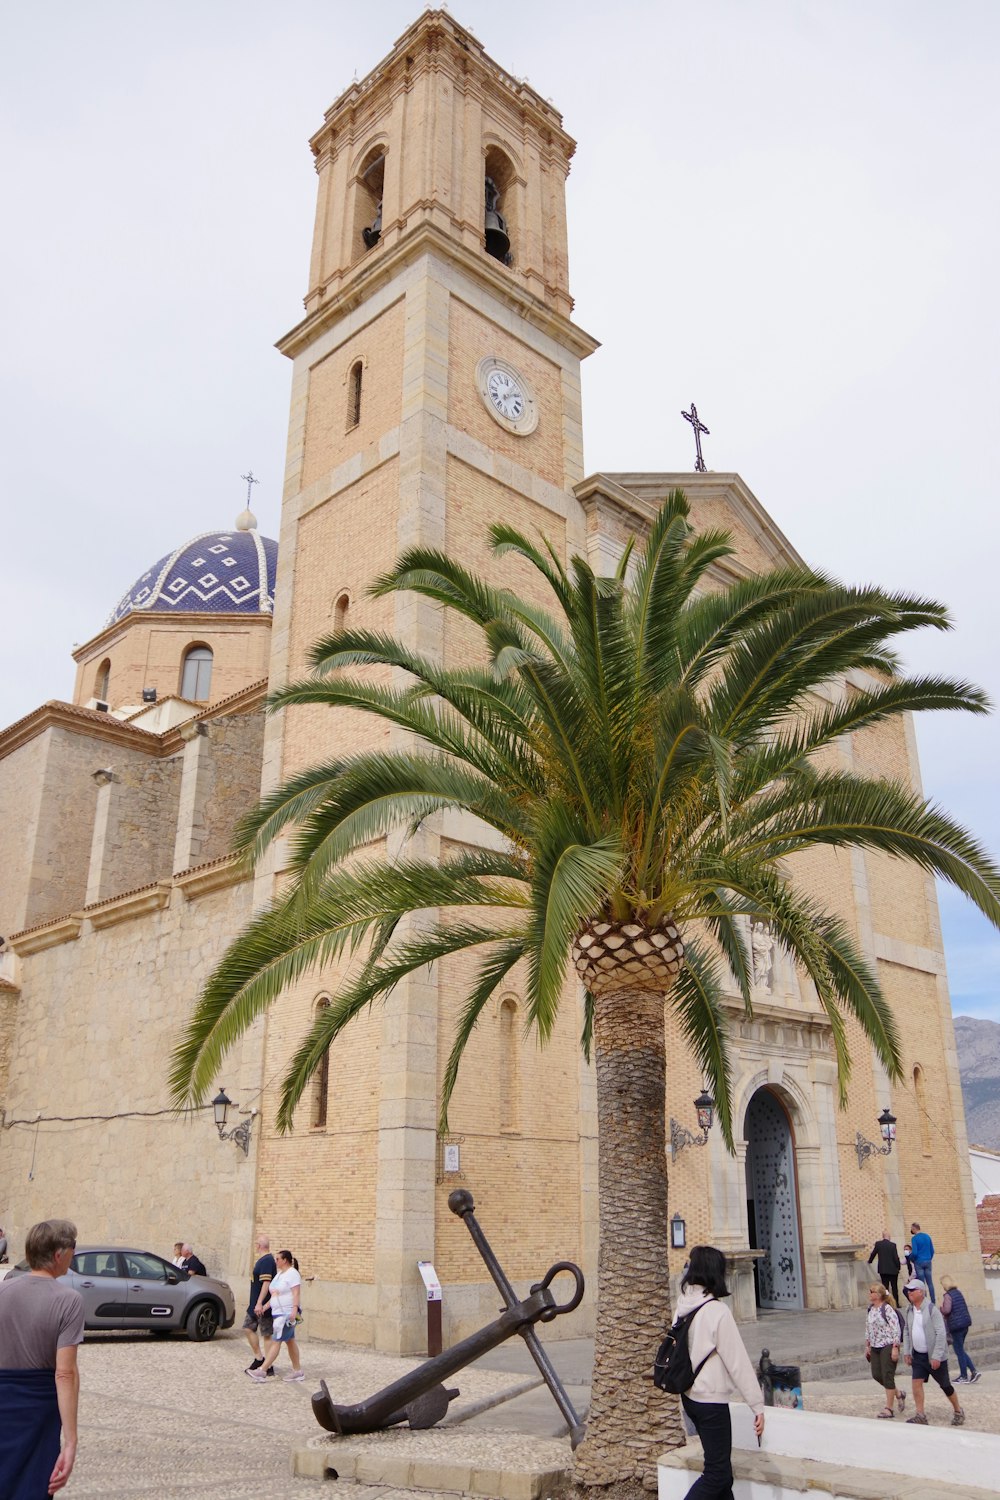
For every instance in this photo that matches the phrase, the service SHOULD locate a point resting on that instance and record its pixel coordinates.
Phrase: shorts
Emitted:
(922, 1371)
(284, 1330)
(264, 1324)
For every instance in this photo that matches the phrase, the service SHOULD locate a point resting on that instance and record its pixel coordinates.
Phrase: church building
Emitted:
(435, 388)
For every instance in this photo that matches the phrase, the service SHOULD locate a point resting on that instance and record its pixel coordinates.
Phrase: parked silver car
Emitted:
(137, 1289)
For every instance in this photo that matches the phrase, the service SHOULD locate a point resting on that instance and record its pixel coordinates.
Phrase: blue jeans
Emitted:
(714, 1426)
(922, 1271)
(965, 1365)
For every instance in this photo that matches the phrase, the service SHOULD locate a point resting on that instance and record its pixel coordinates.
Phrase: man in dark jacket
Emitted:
(886, 1257)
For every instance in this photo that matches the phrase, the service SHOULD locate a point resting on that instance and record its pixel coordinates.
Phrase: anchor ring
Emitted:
(561, 1307)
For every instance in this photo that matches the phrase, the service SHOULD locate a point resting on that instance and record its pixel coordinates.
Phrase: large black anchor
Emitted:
(419, 1397)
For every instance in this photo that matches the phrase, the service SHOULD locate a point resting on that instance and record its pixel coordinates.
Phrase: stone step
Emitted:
(844, 1364)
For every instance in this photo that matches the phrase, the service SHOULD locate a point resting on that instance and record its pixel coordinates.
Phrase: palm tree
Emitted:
(643, 756)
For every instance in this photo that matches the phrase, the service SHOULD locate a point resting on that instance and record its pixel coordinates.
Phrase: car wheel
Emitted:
(203, 1321)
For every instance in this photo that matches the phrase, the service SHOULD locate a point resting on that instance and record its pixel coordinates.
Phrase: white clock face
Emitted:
(506, 395)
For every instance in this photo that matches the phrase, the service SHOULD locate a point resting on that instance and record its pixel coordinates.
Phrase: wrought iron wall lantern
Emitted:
(680, 1136)
(240, 1134)
(866, 1148)
(678, 1233)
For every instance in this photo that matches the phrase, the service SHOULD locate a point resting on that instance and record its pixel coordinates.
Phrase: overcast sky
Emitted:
(787, 213)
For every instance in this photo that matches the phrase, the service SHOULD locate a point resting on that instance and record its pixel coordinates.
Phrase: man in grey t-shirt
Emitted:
(41, 1326)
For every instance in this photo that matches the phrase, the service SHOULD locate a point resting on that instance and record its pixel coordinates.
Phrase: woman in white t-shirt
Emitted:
(284, 1293)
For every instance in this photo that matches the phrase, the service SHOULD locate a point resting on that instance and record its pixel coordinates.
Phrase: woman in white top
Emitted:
(724, 1371)
(284, 1295)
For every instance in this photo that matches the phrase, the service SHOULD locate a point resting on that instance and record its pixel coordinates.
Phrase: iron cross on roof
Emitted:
(699, 428)
(251, 481)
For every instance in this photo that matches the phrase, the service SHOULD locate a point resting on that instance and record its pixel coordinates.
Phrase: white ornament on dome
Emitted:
(246, 520)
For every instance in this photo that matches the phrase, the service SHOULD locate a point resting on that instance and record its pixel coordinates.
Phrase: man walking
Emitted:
(922, 1250)
(925, 1345)
(256, 1318)
(41, 1324)
(886, 1257)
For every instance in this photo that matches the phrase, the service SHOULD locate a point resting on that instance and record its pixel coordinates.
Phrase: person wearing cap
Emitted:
(925, 1346)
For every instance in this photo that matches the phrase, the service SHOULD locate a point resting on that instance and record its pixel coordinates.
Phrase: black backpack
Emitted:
(672, 1367)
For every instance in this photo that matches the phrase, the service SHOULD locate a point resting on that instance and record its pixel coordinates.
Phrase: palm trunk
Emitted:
(630, 1422)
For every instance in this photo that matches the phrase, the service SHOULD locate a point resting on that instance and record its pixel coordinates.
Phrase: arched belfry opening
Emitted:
(499, 206)
(368, 188)
(773, 1203)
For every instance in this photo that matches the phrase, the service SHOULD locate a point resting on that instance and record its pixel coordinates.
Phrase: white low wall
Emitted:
(926, 1454)
(992, 1274)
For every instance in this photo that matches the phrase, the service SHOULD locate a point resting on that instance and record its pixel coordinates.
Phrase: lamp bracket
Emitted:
(680, 1137)
(866, 1148)
(240, 1134)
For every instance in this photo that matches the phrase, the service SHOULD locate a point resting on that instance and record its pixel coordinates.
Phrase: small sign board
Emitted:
(430, 1279)
(451, 1159)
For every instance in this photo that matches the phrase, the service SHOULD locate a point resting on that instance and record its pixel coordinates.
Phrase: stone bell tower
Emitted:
(436, 388)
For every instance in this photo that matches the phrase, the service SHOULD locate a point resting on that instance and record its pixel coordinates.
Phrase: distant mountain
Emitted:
(979, 1065)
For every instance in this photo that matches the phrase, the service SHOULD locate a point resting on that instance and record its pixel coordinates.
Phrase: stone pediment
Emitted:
(621, 504)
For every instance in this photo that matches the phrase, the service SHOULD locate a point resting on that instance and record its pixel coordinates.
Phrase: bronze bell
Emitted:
(497, 238)
(371, 236)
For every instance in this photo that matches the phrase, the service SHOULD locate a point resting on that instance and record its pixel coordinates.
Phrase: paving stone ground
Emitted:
(169, 1419)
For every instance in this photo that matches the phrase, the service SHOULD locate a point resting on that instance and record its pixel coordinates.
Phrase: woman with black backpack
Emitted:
(722, 1370)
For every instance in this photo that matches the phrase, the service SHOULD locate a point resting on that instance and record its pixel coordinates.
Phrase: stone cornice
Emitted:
(426, 237)
(109, 730)
(213, 875)
(419, 50)
(138, 903)
(204, 619)
(46, 935)
(56, 715)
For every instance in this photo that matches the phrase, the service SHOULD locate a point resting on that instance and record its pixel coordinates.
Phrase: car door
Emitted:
(99, 1278)
(157, 1292)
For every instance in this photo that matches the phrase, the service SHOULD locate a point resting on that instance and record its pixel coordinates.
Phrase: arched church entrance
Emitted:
(773, 1203)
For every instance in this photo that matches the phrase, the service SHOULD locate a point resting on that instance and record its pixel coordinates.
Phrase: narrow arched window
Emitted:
(509, 1058)
(354, 394)
(321, 1077)
(340, 609)
(102, 680)
(196, 674)
(920, 1092)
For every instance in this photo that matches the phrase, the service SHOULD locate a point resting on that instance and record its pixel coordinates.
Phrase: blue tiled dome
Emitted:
(218, 572)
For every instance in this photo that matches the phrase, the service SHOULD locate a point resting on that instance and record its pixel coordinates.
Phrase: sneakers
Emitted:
(295, 1375)
(257, 1378)
(958, 1420)
(976, 1375)
(254, 1364)
(919, 1419)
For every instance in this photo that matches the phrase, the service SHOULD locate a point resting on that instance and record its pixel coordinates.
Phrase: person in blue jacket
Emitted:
(958, 1321)
(922, 1250)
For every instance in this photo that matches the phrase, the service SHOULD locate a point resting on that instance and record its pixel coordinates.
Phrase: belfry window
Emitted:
(498, 192)
(102, 680)
(368, 201)
(340, 609)
(196, 674)
(354, 380)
